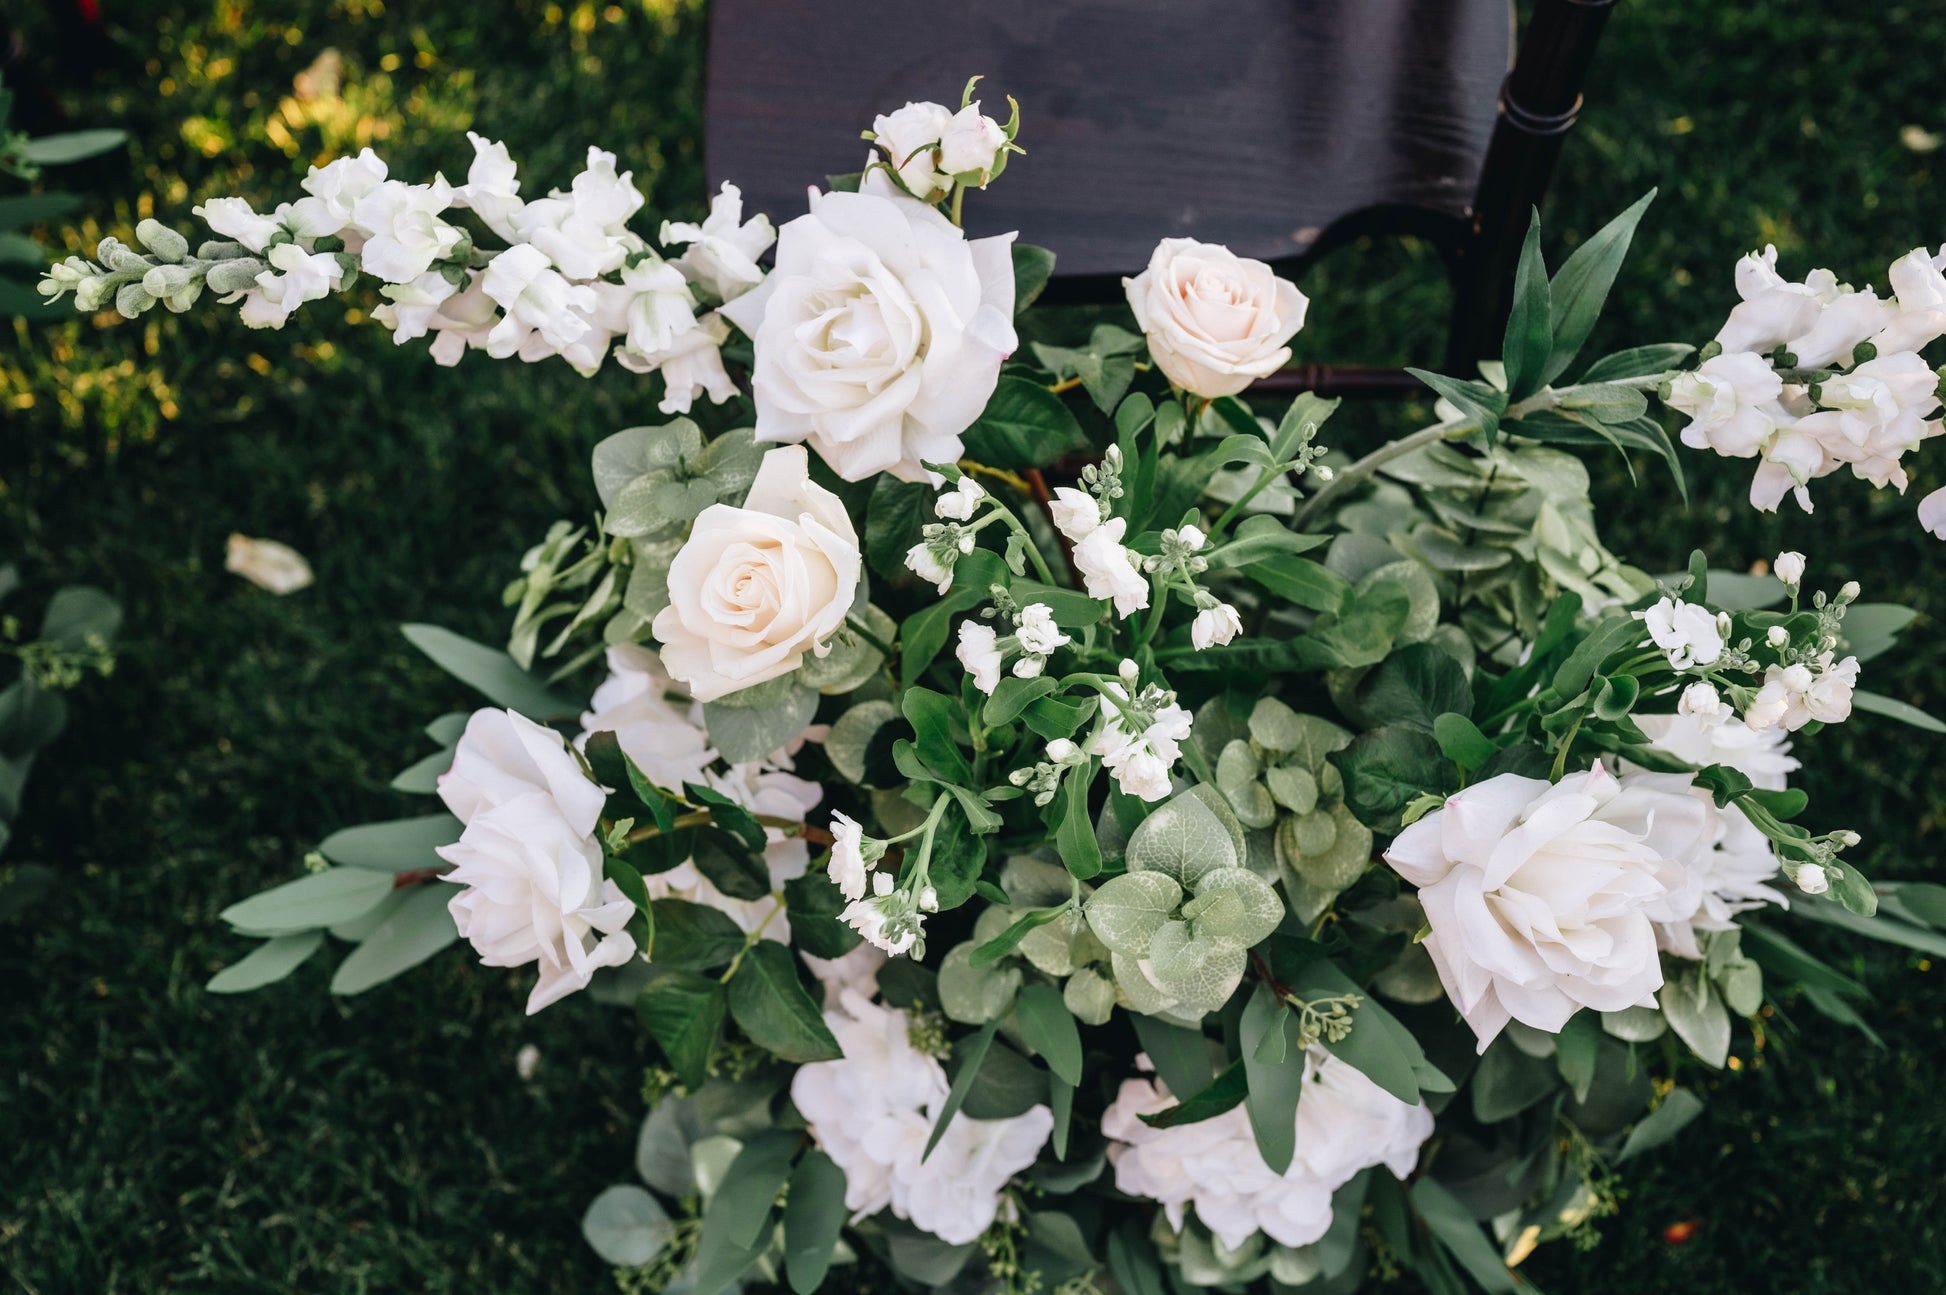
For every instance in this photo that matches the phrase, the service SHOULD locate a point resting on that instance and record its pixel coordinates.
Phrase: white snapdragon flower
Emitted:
(1688, 633)
(410, 308)
(584, 231)
(979, 652)
(460, 323)
(1108, 569)
(961, 502)
(691, 367)
(1537, 895)
(1789, 568)
(492, 188)
(1773, 309)
(1932, 513)
(295, 276)
(972, 143)
(911, 137)
(660, 305)
(536, 299)
(1920, 290)
(1731, 401)
(335, 189)
(723, 250)
(880, 334)
(872, 1112)
(1075, 512)
(233, 219)
(405, 235)
(1037, 631)
(1215, 626)
(1345, 1124)
(1847, 319)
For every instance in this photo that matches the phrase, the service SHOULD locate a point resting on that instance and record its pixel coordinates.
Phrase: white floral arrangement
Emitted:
(1064, 828)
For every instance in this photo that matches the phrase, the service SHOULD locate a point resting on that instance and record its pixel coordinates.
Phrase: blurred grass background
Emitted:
(155, 1138)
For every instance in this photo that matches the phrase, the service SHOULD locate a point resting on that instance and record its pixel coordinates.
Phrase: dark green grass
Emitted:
(153, 1137)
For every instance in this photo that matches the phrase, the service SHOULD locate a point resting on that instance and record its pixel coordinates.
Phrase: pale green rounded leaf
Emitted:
(975, 995)
(853, 734)
(1257, 908)
(1126, 911)
(1136, 985)
(1294, 788)
(1236, 768)
(626, 1226)
(1090, 996)
(1182, 840)
(1197, 972)
(1328, 848)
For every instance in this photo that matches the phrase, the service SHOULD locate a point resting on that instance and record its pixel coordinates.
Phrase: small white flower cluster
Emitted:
(1140, 736)
(873, 1111)
(894, 917)
(1176, 565)
(1108, 567)
(931, 148)
(1688, 634)
(943, 542)
(1042, 779)
(1854, 391)
(1345, 1123)
(984, 651)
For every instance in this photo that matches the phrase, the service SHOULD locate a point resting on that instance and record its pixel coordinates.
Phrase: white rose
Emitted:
(663, 735)
(1932, 513)
(754, 588)
(1215, 626)
(971, 143)
(911, 136)
(406, 235)
(978, 653)
(1107, 569)
(1687, 632)
(1731, 401)
(1537, 896)
(879, 336)
(1215, 321)
(503, 756)
(534, 892)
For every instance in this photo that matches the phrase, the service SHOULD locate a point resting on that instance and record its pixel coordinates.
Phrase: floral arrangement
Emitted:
(1065, 825)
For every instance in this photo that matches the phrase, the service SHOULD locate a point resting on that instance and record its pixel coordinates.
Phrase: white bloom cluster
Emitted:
(1140, 736)
(1108, 567)
(930, 147)
(528, 860)
(1856, 392)
(984, 651)
(873, 1111)
(1689, 634)
(1345, 1123)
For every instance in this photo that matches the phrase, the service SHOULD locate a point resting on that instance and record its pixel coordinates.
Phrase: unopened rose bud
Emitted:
(972, 144)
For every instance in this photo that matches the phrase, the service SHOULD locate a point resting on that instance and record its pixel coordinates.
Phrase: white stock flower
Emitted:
(1808, 877)
(723, 250)
(754, 588)
(879, 335)
(295, 277)
(1688, 633)
(233, 219)
(979, 653)
(404, 233)
(911, 136)
(971, 143)
(887, 920)
(1108, 569)
(1794, 695)
(502, 755)
(492, 188)
(534, 892)
(1037, 631)
(926, 563)
(1537, 896)
(584, 231)
(1932, 513)
(1731, 401)
(536, 299)
(873, 1110)
(1141, 761)
(1721, 863)
(1215, 321)
(961, 502)
(1345, 1124)
(848, 866)
(1075, 512)
(1215, 626)
(1718, 737)
(1789, 568)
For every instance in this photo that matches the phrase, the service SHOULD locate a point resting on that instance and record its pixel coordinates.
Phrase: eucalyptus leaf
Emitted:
(420, 927)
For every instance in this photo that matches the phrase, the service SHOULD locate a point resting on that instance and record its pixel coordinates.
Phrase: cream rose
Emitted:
(1539, 896)
(755, 588)
(879, 335)
(1215, 321)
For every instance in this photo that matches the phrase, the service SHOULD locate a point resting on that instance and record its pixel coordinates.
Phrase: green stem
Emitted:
(1019, 528)
(750, 940)
(858, 628)
(1561, 756)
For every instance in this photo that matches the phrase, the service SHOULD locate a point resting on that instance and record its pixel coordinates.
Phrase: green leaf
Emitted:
(729, 865)
(1462, 742)
(1224, 1093)
(814, 1215)
(1638, 362)
(1273, 1065)
(627, 1227)
(1475, 400)
(692, 937)
(266, 964)
(1023, 426)
(1888, 929)
(1415, 686)
(1575, 1050)
(1891, 708)
(1871, 629)
(399, 845)
(1530, 325)
(320, 899)
(1508, 1081)
(1127, 911)
(1033, 267)
(24, 209)
(974, 995)
(895, 520)
(1580, 287)
(683, 1011)
(1180, 1055)
(1387, 769)
(742, 734)
(492, 672)
(1299, 580)
(743, 1201)
(1012, 697)
(1008, 940)
(1050, 1030)
(973, 1056)
(419, 927)
(1184, 840)
(770, 1005)
(1075, 838)
(813, 905)
(1678, 1108)
(70, 146)
(1455, 1229)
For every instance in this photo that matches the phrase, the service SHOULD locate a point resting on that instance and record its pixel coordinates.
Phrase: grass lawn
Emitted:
(156, 1138)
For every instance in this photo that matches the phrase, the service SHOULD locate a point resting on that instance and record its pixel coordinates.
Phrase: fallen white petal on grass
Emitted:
(267, 564)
